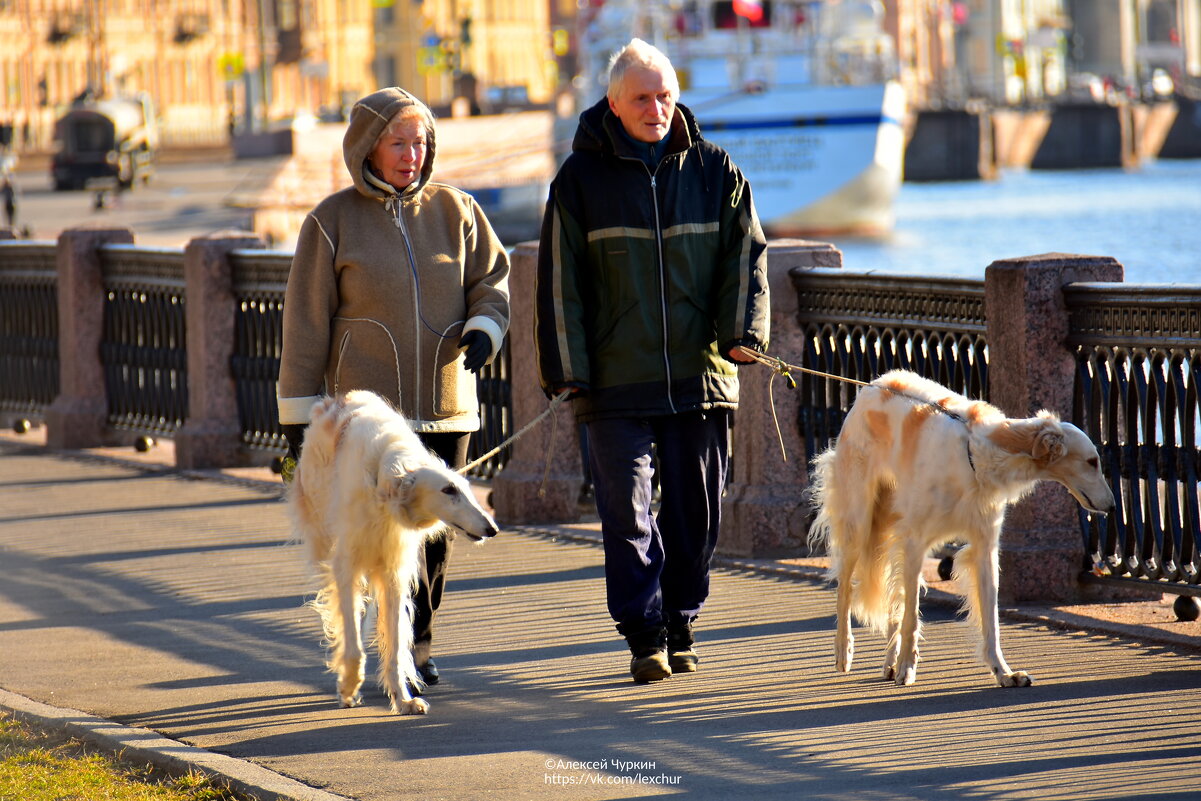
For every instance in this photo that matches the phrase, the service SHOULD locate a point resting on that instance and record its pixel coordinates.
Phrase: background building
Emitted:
(216, 67)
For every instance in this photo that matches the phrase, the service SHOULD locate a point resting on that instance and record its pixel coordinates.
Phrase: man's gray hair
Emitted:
(639, 54)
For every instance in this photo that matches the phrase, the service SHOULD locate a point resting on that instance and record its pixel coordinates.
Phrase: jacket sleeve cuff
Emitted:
(296, 411)
(489, 327)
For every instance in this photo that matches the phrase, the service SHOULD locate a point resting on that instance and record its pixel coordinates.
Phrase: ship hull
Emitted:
(820, 160)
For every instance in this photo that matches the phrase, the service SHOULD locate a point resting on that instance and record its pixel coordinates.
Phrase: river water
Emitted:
(1148, 219)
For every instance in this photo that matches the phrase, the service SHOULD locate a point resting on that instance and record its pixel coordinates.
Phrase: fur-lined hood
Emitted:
(368, 119)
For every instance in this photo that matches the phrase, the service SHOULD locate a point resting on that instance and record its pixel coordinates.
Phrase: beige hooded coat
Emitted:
(384, 283)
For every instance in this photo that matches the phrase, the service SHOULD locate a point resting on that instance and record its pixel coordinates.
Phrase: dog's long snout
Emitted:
(486, 531)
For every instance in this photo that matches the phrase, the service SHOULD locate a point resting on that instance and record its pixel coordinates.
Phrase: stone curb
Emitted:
(171, 756)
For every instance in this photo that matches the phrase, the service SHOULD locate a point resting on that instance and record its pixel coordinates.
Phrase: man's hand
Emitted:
(478, 348)
(740, 354)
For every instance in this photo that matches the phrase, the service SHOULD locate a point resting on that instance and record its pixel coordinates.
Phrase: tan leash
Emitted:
(554, 403)
(784, 369)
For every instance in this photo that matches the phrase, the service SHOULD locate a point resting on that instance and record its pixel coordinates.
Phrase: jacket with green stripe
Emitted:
(648, 277)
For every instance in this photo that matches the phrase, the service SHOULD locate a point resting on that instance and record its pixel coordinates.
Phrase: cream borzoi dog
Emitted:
(916, 466)
(366, 496)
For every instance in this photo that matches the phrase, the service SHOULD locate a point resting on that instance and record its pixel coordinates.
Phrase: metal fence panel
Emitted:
(143, 346)
(28, 327)
(1138, 356)
(859, 326)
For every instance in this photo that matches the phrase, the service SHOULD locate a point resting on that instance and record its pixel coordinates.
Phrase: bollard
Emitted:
(541, 482)
(1031, 368)
(764, 512)
(77, 418)
(211, 436)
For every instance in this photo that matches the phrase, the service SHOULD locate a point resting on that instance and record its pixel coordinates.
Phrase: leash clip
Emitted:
(782, 369)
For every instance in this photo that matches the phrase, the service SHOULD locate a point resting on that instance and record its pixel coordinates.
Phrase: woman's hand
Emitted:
(478, 348)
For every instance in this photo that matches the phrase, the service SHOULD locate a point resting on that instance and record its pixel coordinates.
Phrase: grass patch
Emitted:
(36, 765)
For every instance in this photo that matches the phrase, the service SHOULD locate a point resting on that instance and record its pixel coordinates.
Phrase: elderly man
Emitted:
(652, 278)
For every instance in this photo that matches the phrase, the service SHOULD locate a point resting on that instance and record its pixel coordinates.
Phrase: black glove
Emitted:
(478, 347)
(294, 433)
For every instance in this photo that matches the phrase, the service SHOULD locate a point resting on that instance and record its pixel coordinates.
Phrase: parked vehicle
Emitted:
(102, 142)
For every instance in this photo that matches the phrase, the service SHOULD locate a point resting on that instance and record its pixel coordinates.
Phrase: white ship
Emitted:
(800, 92)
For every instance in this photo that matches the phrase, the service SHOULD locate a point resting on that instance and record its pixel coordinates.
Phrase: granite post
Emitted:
(763, 511)
(1030, 368)
(541, 482)
(211, 436)
(78, 416)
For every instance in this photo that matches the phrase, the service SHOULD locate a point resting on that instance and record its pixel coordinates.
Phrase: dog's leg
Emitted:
(347, 658)
(910, 630)
(892, 649)
(983, 594)
(394, 647)
(844, 638)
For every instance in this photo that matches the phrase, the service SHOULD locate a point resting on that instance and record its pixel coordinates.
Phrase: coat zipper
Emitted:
(662, 286)
(404, 233)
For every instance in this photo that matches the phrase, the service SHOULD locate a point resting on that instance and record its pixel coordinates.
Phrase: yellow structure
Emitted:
(494, 53)
(216, 66)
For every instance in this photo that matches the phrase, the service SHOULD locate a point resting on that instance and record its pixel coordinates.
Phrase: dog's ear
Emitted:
(394, 486)
(1048, 445)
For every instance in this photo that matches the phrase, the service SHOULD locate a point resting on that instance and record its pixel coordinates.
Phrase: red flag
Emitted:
(751, 9)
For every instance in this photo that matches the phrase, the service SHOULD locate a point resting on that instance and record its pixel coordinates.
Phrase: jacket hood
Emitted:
(600, 130)
(368, 119)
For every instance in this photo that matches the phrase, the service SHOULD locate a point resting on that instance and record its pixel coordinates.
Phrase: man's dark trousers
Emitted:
(657, 566)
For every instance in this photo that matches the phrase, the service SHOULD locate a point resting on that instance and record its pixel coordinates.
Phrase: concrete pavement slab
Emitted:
(176, 605)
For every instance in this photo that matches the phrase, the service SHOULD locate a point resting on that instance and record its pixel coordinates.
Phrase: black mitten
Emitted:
(294, 433)
(478, 348)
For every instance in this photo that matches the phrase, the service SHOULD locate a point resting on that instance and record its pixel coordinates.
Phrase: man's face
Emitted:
(646, 101)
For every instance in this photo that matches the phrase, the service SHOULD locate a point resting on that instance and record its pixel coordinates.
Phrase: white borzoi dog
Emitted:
(366, 497)
(916, 466)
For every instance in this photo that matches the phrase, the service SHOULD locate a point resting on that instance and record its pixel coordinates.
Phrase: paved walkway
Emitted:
(174, 605)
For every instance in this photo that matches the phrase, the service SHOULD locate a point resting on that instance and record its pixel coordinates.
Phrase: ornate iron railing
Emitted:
(259, 279)
(1138, 356)
(28, 327)
(859, 326)
(496, 415)
(143, 347)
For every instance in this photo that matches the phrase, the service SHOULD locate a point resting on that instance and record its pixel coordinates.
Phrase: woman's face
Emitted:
(400, 152)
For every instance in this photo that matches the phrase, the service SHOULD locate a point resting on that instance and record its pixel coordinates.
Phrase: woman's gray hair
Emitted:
(414, 111)
(639, 54)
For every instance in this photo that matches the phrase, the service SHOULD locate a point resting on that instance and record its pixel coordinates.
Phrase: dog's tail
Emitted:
(852, 526)
(820, 487)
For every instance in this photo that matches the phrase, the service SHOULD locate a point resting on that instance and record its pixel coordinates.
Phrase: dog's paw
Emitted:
(414, 706)
(347, 702)
(906, 674)
(844, 658)
(1018, 678)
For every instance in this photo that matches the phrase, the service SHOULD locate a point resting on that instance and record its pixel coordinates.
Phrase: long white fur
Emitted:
(916, 466)
(366, 497)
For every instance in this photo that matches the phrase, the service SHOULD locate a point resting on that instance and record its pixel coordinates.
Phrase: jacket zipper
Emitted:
(662, 285)
(404, 233)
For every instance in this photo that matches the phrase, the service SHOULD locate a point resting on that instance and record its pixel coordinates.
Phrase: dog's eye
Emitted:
(1093, 462)
(450, 489)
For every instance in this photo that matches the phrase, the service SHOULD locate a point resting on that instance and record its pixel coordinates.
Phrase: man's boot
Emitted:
(681, 656)
(649, 661)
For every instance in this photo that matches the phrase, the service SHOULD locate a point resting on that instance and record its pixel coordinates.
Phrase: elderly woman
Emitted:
(400, 286)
